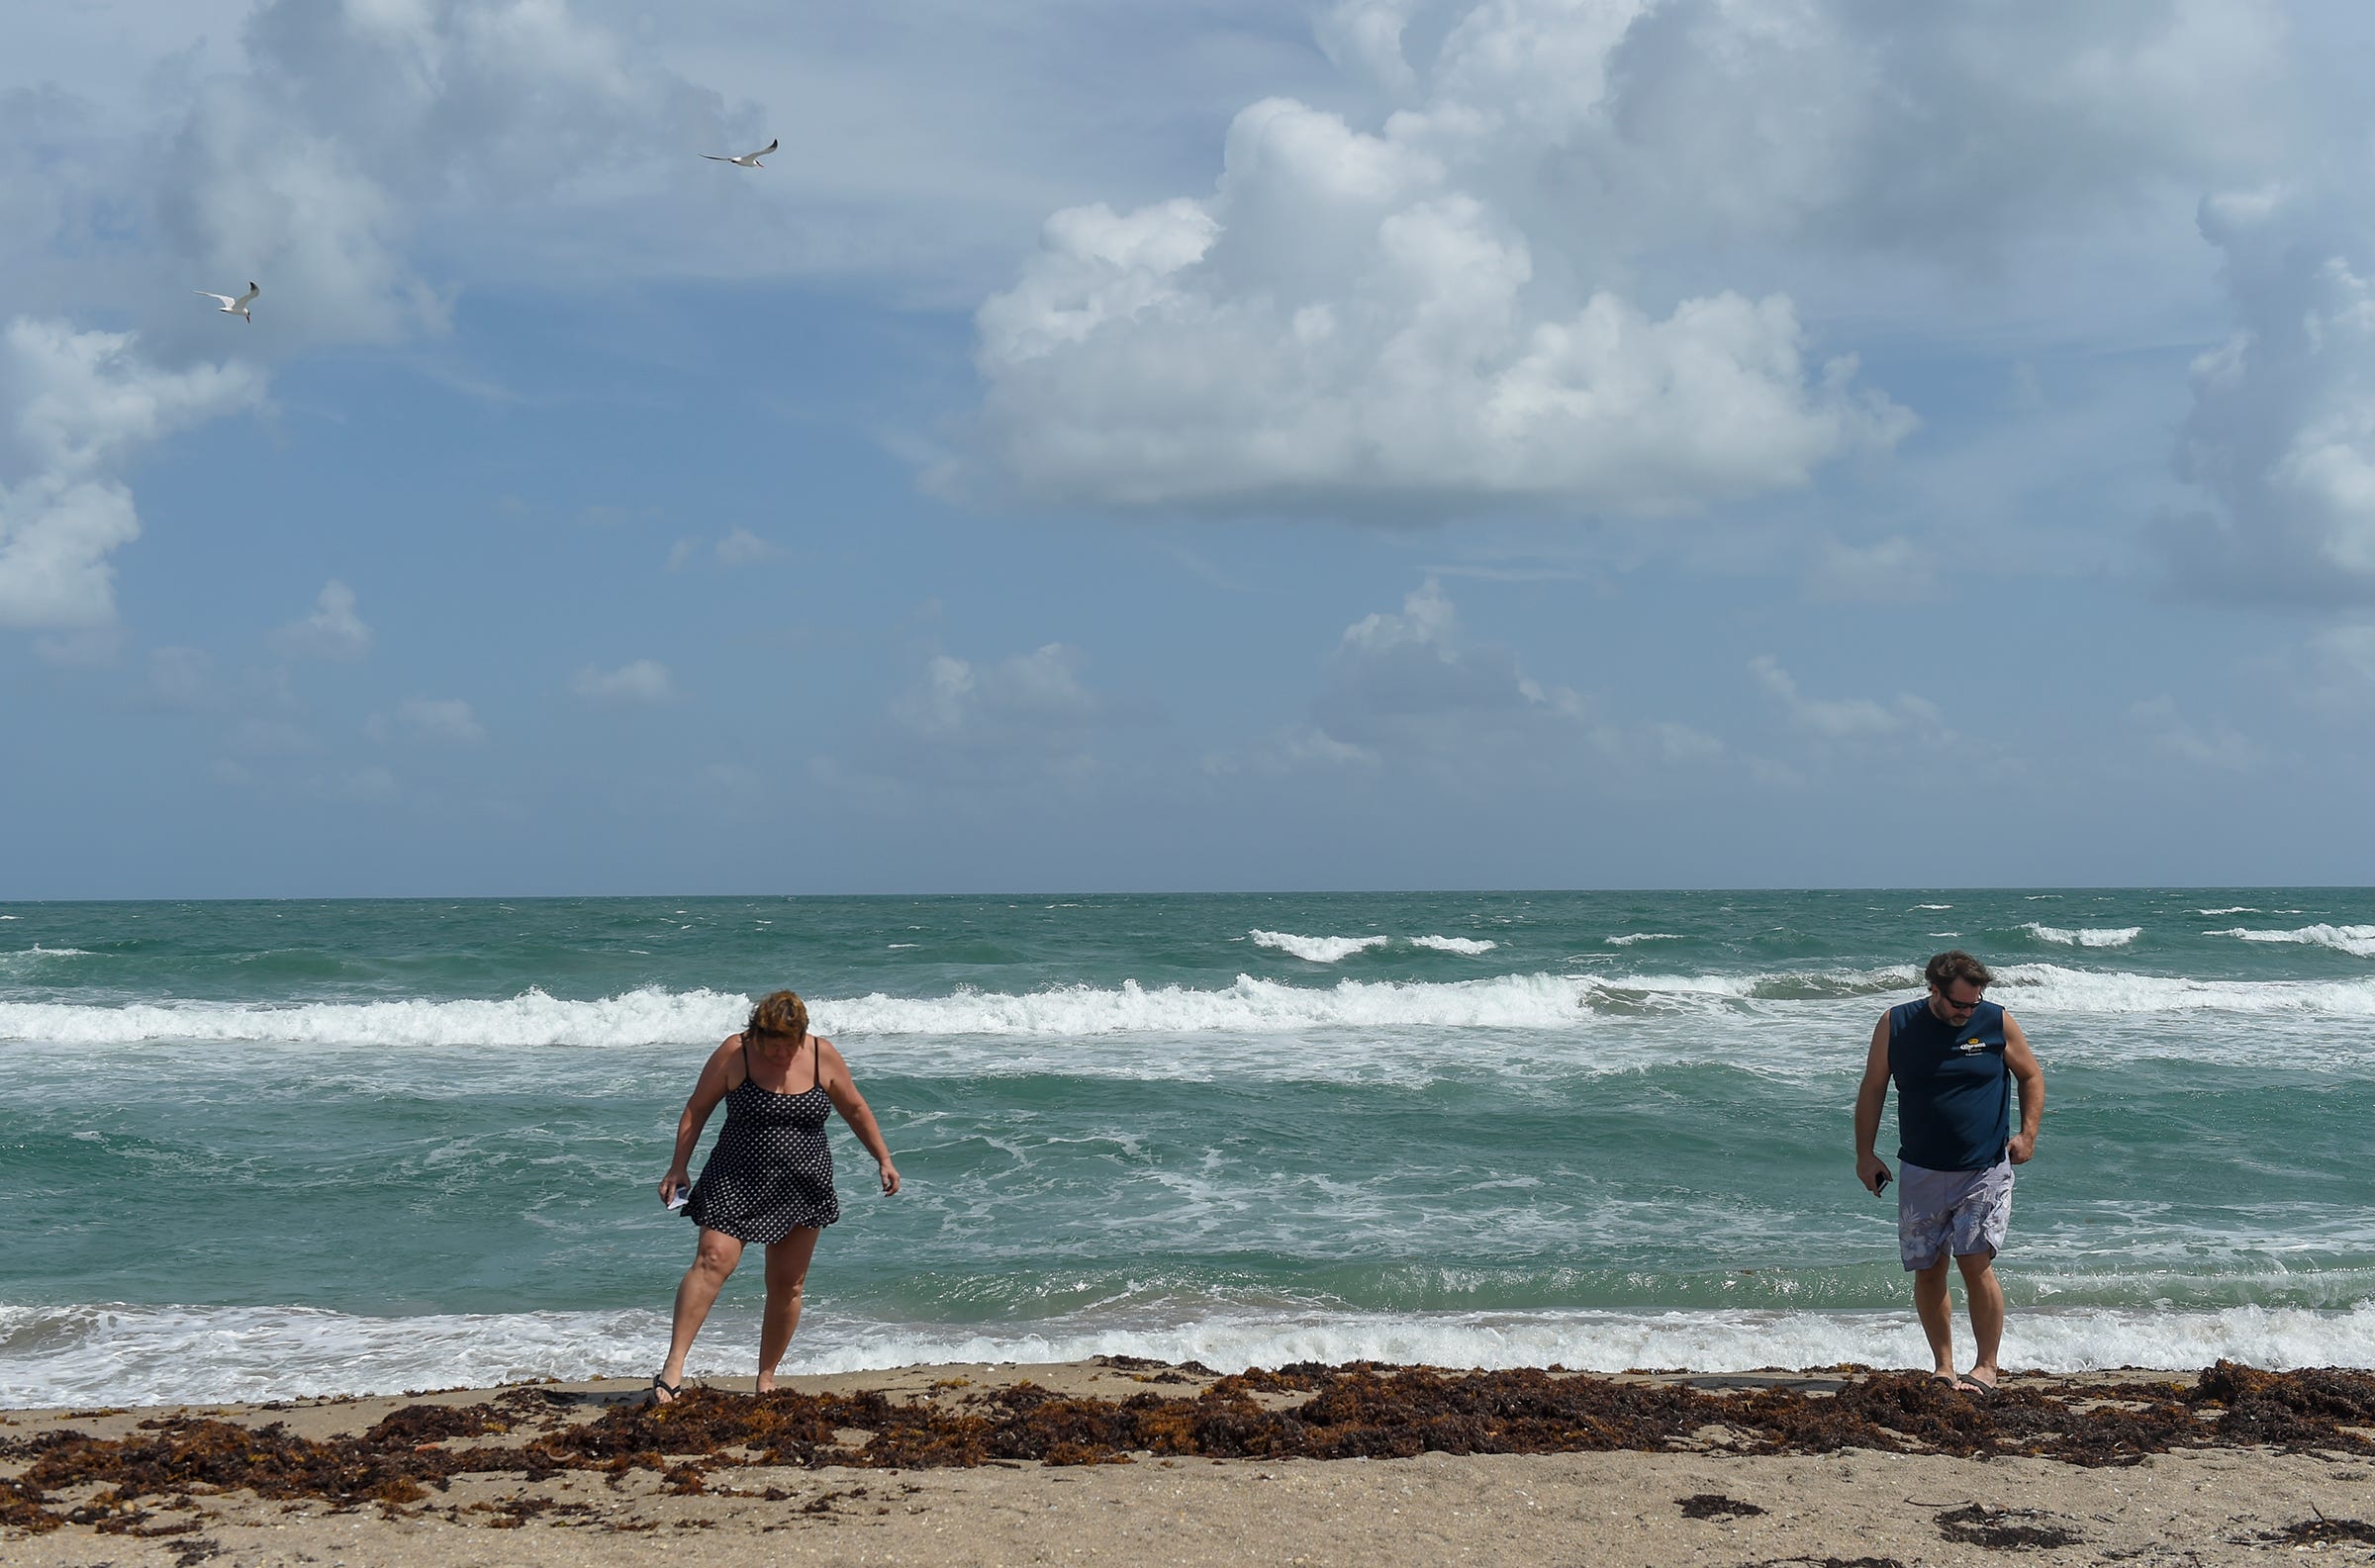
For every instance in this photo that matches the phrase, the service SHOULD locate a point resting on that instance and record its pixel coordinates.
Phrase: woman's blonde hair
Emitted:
(779, 1013)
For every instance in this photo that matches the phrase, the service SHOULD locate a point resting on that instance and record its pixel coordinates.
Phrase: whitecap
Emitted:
(58, 1356)
(2357, 941)
(1316, 950)
(1467, 946)
(1630, 937)
(2092, 937)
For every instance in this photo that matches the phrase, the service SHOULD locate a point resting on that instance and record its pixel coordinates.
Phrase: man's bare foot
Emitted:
(765, 1383)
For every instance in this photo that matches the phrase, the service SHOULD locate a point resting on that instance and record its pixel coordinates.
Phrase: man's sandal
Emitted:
(674, 1391)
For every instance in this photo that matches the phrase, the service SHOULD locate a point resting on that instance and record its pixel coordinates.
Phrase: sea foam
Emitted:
(136, 1356)
(1465, 947)
(1250, 1007)
(2103, 937)
(1316, 950)
(2357, 941)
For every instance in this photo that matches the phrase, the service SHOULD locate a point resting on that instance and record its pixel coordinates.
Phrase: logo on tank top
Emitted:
(1969, 1048)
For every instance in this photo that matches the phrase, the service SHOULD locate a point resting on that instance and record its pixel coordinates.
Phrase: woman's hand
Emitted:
(890, 1177)
(675, 1179)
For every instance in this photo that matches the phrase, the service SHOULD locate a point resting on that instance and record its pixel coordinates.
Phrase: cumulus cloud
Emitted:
(2281, 437)
(1409, 681)
(349, 128)
(1846, 718)
(644, 683)
(313, 166)
(331, 631)
(74, 406)
(1340, 326)
(1028, 695)
(960, 725)
(745, 548)
(1446, 303)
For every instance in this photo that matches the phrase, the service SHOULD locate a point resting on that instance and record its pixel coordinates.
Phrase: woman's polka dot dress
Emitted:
(772, 1171)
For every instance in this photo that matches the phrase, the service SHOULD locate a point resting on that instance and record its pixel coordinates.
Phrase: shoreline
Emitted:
(984, 1463)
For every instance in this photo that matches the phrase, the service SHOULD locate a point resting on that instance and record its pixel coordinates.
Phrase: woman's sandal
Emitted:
(674, 1391)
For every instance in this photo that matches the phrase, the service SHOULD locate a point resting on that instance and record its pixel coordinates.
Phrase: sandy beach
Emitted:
(1775, 1468)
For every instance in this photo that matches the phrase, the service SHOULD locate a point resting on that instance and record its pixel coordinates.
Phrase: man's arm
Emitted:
(2030, 1078)
(1870, 1096)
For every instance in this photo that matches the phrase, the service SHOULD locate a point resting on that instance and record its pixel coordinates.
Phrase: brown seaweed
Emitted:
(1714, 1505)
(1307, 1412)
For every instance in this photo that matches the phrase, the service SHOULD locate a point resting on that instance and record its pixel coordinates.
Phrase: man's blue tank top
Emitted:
(1954, 1096)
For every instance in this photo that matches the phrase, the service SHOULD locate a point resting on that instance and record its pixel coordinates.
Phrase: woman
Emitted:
(770, 1179)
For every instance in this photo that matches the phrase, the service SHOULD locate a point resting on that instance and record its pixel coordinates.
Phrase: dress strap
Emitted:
(816, 1051)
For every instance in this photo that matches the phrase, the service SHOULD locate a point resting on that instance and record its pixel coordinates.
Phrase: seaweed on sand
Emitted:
(1358, 1410)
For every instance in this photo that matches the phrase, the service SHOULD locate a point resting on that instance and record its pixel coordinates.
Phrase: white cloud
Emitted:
(441, 720)
(1534, 270)
(1407, 680)
(2281, 438)
(351, 128)
(1027, 695)
(1337, 328)
(1846, 718)
(641, 684)
(74, 408)
(331, 631)
(745, 548)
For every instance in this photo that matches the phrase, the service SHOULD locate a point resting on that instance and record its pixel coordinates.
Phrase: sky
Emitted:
(1191, 445)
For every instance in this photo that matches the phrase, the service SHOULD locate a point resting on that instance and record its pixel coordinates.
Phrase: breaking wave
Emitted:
(55, 1356)
(2357, 941)
(2097, 937)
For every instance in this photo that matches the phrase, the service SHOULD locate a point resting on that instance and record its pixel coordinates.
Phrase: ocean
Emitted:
(273, 1148)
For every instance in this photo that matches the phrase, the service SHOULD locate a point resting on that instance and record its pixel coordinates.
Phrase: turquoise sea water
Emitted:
(265, 1149)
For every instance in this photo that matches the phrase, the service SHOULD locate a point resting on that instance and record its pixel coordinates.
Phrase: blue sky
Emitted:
(1200, 445)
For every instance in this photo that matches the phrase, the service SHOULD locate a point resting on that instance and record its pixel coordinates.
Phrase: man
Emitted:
(1955, 1056)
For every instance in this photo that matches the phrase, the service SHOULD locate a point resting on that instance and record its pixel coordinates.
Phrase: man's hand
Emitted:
(2022, 1148)
(1871, 1172)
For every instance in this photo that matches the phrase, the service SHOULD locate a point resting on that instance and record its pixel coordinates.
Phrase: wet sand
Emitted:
(559, 1474)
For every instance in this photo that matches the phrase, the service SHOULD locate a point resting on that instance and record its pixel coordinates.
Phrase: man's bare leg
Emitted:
(1983, 1294)
(1936, 1311)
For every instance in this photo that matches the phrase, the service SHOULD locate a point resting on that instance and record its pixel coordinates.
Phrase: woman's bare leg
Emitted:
(787, 1276)
(712, 1261)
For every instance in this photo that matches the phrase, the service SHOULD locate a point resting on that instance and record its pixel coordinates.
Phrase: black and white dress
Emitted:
(772, 1171)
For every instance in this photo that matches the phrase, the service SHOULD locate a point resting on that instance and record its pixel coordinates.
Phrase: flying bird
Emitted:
(231, 306)
(748, 160)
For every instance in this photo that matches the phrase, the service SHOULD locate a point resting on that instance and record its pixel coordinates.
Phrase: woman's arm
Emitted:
(707, 1091)
(842, 1089)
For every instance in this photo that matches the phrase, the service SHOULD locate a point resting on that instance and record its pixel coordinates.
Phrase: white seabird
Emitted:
(748, 160)
(231, 306)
